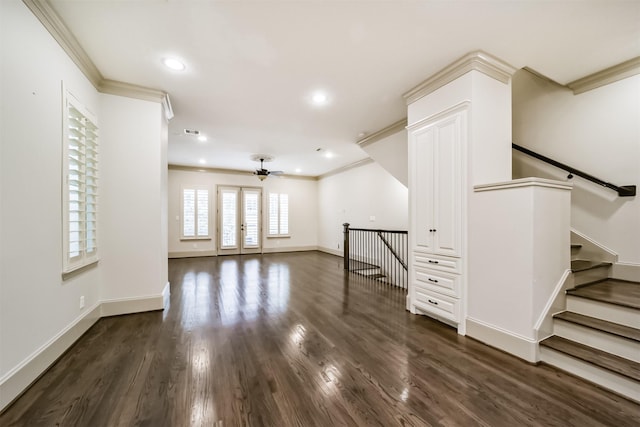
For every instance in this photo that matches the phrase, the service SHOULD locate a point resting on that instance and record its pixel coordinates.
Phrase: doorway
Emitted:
(239, 220)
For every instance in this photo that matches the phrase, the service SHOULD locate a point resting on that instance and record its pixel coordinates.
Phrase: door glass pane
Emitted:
(250, 219)
(229, 221)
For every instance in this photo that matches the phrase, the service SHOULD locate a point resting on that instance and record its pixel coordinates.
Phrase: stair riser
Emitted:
(614, 382)
(609, 312)
(610, 343)
(591, 275)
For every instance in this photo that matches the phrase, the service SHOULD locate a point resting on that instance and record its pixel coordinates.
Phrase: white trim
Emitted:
(494, 336)
(191, 254)
(607, 76)
(336, 252)
(50, 19)
(17, 380)
(383, 133)
(523, 182)
(118, 306)
(235, 172)
(113, 87)
(427, 121)
(555, 304)
(166, 295)
(473, 61)
(289, 249)
(626, 271)
(345, 168)
(608, 255)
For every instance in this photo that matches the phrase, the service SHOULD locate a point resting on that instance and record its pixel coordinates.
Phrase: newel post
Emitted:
(345, 245)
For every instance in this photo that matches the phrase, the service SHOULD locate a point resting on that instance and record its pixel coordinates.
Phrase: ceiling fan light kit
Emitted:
(263, 173)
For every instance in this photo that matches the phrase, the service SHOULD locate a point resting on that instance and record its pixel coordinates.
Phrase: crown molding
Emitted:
(235, 172)
(114, 87)
(50, 19)
(478, 61)
(345, 168)
(383, 133)
(607, 76)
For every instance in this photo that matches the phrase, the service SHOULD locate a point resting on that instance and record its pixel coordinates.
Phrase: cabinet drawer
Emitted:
(444, 283)
(452, 265)
(441, 305)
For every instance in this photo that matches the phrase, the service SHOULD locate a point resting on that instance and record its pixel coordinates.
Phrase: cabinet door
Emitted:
(447, 169)
(422, 197)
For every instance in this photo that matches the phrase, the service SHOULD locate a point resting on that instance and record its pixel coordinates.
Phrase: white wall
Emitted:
(392, 154)
(131, 203)
(40, 313)
(354, 196)
(35, 303)
(525, 227)
(303, 210)
(598, 132)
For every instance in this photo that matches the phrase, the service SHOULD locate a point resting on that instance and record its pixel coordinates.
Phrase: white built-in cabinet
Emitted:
(437, 171)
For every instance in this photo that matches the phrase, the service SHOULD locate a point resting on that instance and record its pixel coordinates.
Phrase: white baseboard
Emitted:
(626, 271)
(17, 380)
(336, 252)
(494, 336)
(116, 307)
(166, 295)
(289, 249)
(192, 254)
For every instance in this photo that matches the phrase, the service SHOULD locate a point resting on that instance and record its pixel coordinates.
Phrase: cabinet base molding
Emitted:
(522, 347)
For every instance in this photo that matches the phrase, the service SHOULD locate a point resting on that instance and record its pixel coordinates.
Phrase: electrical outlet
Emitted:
(82, 302)
(195, 246)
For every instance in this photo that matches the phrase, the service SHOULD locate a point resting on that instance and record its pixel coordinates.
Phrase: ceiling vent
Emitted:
(192, 132)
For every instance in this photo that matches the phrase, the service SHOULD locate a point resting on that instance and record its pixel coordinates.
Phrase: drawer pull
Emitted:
(433, 280)
(433, 302)
(433, 262)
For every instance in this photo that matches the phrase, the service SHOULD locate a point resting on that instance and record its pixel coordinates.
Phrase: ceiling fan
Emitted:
(263, 173)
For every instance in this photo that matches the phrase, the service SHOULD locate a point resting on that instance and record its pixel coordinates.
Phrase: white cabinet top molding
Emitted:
(478, 61)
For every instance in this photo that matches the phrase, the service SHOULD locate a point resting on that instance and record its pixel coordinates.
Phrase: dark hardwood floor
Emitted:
(291, 340)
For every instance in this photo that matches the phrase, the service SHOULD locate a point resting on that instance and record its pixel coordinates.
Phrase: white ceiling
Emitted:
(252, 66)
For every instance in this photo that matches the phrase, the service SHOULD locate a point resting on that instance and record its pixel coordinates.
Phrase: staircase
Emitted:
(598, 336)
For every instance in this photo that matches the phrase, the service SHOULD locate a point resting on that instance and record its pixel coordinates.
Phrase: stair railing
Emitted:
(377, 254)
(623, 191)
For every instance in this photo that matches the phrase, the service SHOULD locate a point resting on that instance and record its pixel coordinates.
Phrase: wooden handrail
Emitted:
(623, 191)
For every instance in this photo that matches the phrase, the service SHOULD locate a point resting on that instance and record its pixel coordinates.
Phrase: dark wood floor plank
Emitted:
(293, 340)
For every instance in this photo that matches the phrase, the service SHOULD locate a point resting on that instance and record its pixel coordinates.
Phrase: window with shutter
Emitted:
(195, 213)
(278, 214)
(80, 185)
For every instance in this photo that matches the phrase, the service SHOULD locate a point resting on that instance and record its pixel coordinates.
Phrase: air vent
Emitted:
(191, 132)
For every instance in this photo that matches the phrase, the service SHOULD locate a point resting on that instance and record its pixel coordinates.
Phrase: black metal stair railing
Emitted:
(377, 254)
(623, 190)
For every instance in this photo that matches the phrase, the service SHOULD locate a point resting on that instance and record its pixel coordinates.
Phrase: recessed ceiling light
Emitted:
(174, 64)
(202, 161)
(328, 154)
(319, 98)
(298, 170)
(202, 138)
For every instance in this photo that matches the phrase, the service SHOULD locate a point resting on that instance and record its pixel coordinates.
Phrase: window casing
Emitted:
(80, 185)
(278, 215)
(195, 213)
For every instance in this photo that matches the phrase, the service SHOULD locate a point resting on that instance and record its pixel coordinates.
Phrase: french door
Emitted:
(239, 220)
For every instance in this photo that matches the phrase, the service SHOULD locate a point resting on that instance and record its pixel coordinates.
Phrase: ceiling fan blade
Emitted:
(276, 172)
